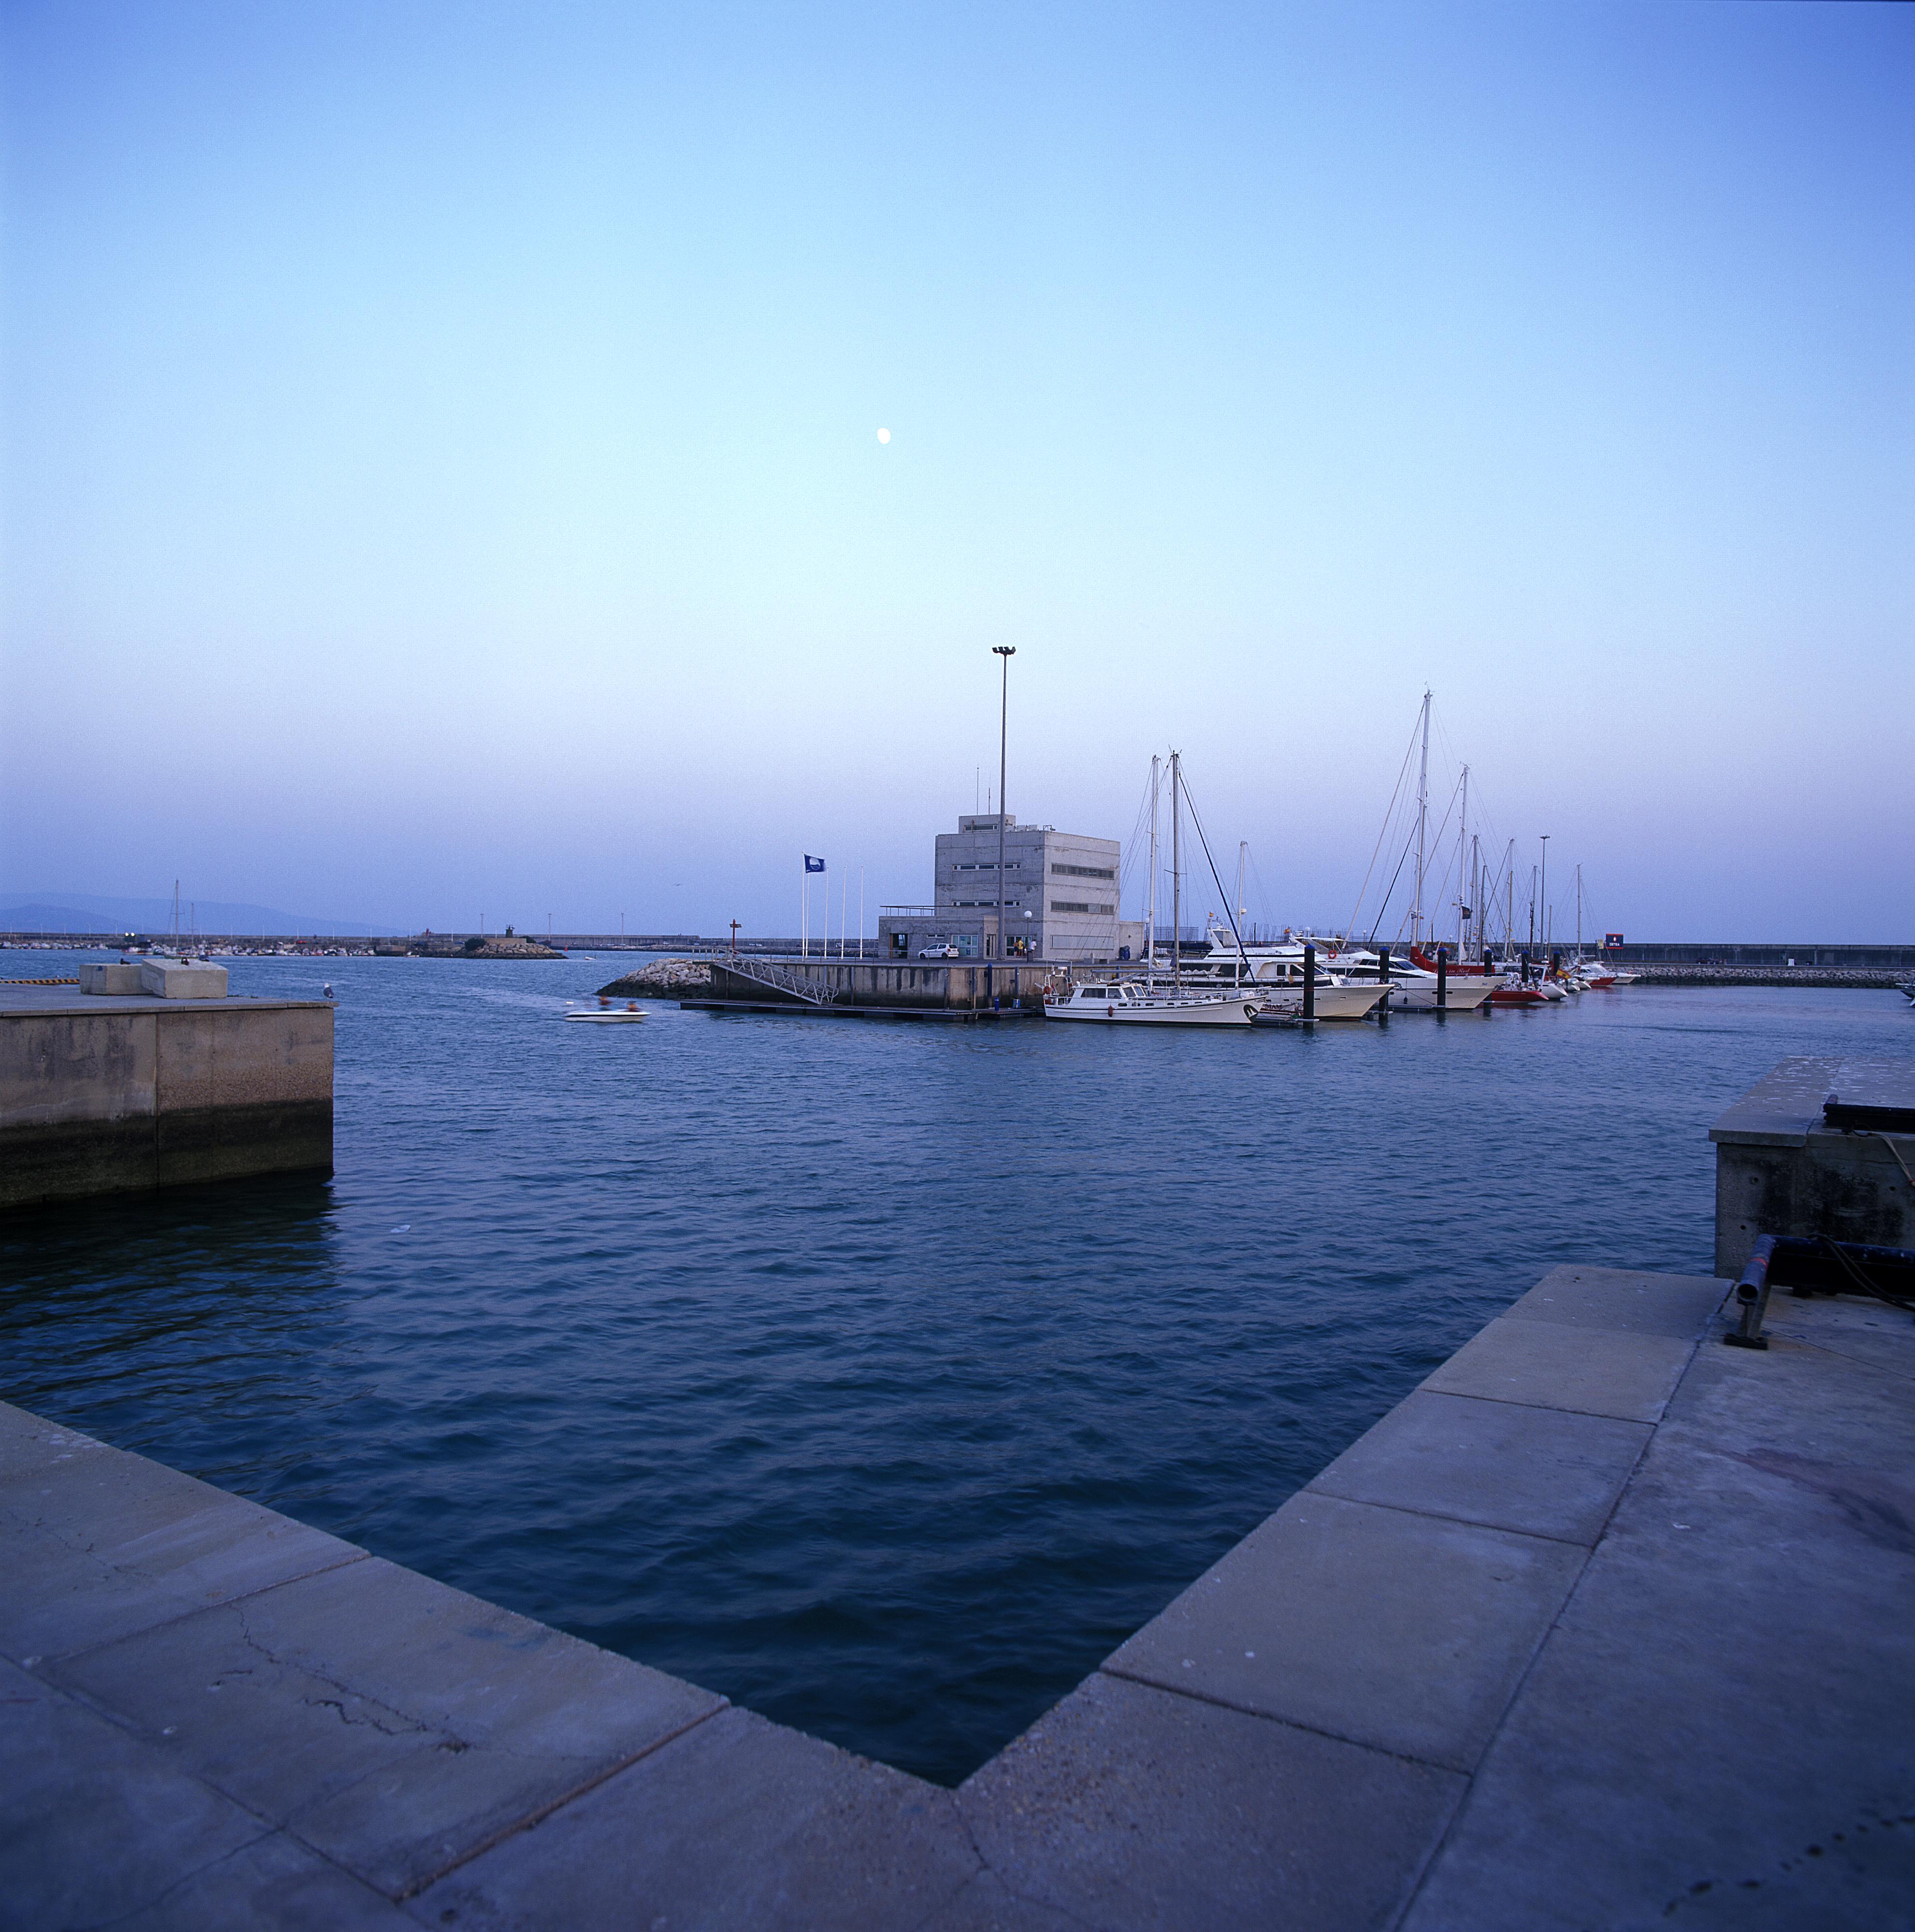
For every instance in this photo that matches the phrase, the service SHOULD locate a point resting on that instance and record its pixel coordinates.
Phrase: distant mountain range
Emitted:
(84, 912)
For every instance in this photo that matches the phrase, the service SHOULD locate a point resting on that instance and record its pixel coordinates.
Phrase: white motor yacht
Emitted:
(1125, 1002)
(605, 1014)
(1413, 990)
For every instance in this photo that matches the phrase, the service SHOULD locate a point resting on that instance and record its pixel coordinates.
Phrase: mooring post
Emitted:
(1309, 983)
(1442, 977)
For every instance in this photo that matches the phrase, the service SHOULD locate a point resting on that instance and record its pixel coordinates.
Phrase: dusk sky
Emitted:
(442, 471)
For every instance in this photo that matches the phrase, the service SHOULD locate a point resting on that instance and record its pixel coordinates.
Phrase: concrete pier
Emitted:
(946, 988)
(104, 1093)
(1604, 1626)
(1780, 1169)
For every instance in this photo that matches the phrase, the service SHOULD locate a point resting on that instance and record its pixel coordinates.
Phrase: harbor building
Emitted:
(1060, 896)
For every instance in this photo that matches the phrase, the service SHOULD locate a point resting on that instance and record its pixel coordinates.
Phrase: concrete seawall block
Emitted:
(118, 981)
(181, 979)
(142, 1095)
(96, 1068)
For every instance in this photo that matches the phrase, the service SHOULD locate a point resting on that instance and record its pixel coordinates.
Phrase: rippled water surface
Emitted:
(882, 1376)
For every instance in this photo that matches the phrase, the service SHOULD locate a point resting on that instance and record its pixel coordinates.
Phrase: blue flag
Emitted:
(813, 865)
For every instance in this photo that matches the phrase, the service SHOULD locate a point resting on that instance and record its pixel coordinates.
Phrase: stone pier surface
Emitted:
(104, 1093)
(1605, 1626)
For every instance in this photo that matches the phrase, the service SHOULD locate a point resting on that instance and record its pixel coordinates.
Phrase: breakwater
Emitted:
(1861, 978)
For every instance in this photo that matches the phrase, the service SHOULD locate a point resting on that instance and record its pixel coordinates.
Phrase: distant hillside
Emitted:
(85, 912)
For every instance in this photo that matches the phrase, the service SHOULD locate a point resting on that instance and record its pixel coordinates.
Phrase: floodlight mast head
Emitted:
(1006, 652)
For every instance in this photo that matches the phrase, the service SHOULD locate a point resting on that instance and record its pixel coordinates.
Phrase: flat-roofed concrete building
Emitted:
(1060, 896)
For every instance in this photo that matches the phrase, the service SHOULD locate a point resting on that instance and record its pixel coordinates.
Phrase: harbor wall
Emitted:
(103, 1098)
(1883, 958)
(914, 986)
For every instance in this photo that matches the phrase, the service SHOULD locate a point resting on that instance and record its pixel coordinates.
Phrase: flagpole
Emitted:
(804, 907)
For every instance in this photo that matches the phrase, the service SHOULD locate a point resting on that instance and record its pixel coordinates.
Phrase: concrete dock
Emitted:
(1604, 1626)
(1781, 1168)
(958, 989)
(104, 1093)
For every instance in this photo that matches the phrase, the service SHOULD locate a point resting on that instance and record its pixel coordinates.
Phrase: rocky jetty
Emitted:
(661, 979)
(454, 946)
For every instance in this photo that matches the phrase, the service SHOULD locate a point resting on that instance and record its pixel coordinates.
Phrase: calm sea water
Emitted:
(882, 1376)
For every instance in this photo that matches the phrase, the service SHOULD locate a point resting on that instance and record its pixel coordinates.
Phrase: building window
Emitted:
(1083, 871)
(991, 865)
(1078, 905)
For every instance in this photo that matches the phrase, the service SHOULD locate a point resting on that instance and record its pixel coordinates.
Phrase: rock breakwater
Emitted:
(661, 979)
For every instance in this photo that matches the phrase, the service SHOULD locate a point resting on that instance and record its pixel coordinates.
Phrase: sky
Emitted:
(440, 476)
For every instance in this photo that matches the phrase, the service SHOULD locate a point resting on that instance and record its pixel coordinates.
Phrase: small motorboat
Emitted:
(605, 1014)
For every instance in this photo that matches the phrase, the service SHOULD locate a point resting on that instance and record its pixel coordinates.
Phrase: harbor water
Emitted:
(882, 1376)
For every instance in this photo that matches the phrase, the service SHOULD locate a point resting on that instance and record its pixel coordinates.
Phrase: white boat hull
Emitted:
(1464, 996)
(1166, 1012)
(1333, 1003)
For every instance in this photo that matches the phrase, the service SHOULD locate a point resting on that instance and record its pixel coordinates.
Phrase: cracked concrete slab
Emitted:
(274, 1881)
(102, 1544)
(1127, 1807)
(739, 1822)
(394, 1724)
(94, 1825)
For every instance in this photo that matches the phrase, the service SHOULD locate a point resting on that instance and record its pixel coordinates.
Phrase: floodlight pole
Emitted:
(1006, 652)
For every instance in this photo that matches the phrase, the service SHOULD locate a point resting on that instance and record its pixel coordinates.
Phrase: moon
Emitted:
(884, 435)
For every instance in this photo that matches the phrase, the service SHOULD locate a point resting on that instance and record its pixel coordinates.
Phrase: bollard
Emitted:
(1383, 964)
(1442, 976)
(1752, 1292)
(1523, 958)
(1309, 982)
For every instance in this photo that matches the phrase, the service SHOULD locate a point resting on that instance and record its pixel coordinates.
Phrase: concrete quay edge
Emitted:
(1598, 1628)
(1784, 1107)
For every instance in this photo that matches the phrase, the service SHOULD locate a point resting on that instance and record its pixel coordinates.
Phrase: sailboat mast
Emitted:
(1150, 937)
(1176, 877)
(1243, 848)
(1462, 846)
(1509, 914)
(1475, 890)
(1579, 915)
(1422, 821)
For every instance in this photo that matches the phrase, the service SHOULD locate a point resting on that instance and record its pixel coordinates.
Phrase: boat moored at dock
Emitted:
(1125, 1002)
